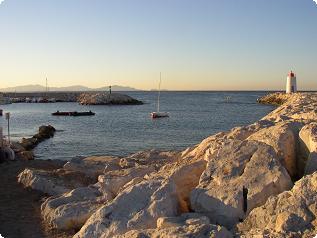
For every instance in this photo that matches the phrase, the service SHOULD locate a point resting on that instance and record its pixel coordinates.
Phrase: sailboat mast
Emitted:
(46, 88)
(159, 94)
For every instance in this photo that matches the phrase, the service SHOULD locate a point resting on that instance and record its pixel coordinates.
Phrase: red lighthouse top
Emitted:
(291, 74)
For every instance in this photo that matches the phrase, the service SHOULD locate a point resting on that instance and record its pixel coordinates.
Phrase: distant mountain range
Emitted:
(74, 88)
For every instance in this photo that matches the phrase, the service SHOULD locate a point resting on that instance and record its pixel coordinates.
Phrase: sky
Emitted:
(196, 44)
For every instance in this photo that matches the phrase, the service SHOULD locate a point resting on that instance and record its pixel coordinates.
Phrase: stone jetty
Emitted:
(107, 99)
(23, 149)
(258, 180)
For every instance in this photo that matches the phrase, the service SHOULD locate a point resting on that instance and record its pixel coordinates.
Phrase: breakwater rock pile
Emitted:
(258, 180)
(275, 98)
(23, 149)
(107, 99)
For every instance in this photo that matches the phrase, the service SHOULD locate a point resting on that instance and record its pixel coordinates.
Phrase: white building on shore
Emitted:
(291, 84)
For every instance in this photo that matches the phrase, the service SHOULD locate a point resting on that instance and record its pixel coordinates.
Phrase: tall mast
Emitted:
(46, 88)
(159, 94)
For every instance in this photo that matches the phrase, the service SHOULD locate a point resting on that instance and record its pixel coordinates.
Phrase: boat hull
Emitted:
(74, 114)
(159, 114)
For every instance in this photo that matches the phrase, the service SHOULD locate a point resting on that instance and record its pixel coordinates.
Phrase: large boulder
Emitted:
(210, 146)
(283, 137)
(45, 132)
(185, 178)
(110, 183)
(307, 163)
(289, 214)
(52, 182)
(71, 210)
(137, 207)
(184, 226)
(93, 166)
(230, 188)
(41, 181)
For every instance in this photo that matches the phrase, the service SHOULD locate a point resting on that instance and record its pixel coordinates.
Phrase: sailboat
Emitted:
(159, 114)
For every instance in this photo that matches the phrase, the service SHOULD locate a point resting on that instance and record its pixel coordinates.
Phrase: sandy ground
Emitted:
(20, 208)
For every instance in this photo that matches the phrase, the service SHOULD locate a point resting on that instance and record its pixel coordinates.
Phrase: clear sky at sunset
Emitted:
(197, 44)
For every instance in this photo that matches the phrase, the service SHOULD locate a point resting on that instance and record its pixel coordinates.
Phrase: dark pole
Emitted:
(8, 118)
(9, 130)
(110, 89)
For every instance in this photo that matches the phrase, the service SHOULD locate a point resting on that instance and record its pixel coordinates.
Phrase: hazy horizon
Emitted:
(197, 45)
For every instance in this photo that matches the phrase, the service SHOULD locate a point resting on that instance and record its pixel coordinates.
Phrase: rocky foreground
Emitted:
(253, 181)
(107, 99)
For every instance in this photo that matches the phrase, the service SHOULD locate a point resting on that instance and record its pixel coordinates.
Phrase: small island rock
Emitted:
(107, 99)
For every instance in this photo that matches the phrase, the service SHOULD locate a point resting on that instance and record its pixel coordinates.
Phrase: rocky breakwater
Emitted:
(23, 149)
(256, 180)
(107, 99)
(275, 98)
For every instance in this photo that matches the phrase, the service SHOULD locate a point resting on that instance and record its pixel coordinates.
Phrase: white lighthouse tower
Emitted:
(291, 85)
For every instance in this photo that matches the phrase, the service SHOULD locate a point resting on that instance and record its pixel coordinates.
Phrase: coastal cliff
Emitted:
(255, 180)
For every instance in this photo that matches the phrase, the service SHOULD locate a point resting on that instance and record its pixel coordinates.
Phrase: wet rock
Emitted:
(25, 155)
(45, 132)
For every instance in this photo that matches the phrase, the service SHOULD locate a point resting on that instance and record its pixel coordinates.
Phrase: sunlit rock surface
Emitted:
(237, 183)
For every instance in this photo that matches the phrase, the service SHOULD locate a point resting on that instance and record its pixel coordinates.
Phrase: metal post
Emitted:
(8, 119)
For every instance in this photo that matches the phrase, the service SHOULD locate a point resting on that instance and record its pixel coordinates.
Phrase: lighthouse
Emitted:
(291, 85)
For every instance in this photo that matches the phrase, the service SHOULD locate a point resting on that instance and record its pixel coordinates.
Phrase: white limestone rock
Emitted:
(52, 182)
(283, 137)
(137, 207)
(239, 164)
(289, 214)
(209, 147)
(185, 177)
(71, 210)
(112, 182)
(41, 181)
(308, 145)
(93, 166)
(184, 226)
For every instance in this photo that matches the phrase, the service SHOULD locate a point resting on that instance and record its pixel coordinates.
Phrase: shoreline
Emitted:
(176, 193)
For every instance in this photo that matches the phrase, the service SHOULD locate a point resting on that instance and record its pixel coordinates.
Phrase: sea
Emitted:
(122, 130)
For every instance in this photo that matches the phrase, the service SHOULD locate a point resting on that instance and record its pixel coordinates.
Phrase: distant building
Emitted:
(291, 85)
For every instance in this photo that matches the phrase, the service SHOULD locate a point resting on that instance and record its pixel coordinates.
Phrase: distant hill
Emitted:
(76, 88)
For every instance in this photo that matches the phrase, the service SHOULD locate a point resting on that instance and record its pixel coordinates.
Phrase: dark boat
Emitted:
(74, 114)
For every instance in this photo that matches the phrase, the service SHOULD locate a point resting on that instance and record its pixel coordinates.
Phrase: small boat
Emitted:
(74, 114)
(159, 114)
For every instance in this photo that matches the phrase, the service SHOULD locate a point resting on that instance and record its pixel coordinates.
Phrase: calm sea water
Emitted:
(120, 130)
